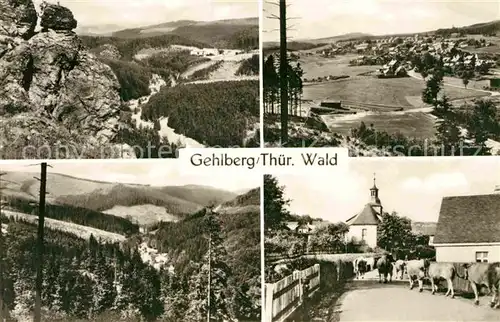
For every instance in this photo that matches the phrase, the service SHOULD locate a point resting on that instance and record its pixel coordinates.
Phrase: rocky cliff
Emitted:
(49, 84)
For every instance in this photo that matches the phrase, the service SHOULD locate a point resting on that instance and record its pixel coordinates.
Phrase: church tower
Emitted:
(375, 200)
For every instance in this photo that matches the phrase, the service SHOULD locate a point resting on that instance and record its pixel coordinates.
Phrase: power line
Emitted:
(39, 248)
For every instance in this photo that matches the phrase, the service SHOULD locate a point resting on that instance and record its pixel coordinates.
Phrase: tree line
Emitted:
(271, 83)
(77, 215)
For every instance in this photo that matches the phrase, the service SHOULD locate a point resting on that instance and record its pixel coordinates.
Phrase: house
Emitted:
(303, 228)
(468, 229)
(424, 229)
(363, 226)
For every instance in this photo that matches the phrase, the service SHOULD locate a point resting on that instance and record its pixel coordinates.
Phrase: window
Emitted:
(363, 234)
(482, 257)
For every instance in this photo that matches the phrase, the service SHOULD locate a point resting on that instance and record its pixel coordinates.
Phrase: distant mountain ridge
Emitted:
(172, 201)
(478, 28)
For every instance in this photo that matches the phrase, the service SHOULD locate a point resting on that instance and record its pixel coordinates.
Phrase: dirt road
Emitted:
(367, 300)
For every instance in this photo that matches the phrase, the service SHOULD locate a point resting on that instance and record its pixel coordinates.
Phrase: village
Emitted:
(397, 55)
(383, 232)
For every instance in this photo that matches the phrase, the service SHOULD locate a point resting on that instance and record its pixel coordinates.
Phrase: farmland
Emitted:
(390, 104)
(414, 124)
(363, 88)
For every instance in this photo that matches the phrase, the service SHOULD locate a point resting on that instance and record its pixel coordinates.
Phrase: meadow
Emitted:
(368, 89)
(389, 91)
(415, 124)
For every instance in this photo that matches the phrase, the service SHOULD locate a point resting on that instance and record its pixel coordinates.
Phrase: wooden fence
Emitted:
(285, 296)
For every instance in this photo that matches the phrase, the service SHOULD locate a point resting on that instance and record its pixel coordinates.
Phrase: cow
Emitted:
(487, 274)
(370, 264)
(440, 271)
(384, 266)
(359, 267)
(400, 266)
(416, 270)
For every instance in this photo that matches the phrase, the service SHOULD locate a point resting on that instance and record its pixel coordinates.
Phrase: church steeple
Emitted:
(374, 198)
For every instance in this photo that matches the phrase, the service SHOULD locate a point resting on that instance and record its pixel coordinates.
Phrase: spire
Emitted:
(374, 192)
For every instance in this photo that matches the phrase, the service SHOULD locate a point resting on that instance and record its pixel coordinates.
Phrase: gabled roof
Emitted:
(424, 228)
(469, 219)
(368, 216)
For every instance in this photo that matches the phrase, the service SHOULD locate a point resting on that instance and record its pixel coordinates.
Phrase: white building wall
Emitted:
(466, 253)
(356, 233)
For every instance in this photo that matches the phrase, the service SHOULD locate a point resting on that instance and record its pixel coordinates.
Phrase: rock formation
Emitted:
(48, 76)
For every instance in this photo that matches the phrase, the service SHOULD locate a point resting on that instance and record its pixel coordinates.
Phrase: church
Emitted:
(363, 226)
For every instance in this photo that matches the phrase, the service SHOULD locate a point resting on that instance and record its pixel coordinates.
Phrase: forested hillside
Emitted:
(186, 242)
(216, 113)
(90, 279)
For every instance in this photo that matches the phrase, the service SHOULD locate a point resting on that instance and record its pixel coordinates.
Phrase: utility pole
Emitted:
(2, 248)
(209, 273)
(283, 75)
(39, 248)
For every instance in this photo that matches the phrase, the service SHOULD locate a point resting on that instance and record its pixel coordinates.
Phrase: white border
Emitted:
(262, 145)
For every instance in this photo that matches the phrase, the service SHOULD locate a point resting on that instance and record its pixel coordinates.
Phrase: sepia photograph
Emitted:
(130, 79)
(389, 239)
(383, 77)
(127, 241)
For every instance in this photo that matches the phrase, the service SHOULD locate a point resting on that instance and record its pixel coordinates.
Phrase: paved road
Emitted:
(367, 300)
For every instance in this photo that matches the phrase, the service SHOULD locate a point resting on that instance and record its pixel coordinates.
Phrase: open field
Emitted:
(81, 231)
(316, 66)
(389, 91)
(412, 124)
(368, 89)
(143, 215)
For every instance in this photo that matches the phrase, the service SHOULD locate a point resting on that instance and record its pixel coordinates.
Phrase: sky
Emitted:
(130, 13)
(160, 172)
(311, 19)
(413, 187)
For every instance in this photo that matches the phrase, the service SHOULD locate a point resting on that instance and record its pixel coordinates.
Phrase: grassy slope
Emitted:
(172, 201)
(79, 230)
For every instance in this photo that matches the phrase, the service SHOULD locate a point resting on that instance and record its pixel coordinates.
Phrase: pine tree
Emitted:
(82, 299)
(448, 131)
(210, 284)
(151, 305)
(104, 291)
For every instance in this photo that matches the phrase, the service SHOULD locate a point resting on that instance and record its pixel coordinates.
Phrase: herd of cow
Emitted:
(477, 274)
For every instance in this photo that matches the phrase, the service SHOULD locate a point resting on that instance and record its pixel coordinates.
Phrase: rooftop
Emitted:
(367, 216)
(469, 219)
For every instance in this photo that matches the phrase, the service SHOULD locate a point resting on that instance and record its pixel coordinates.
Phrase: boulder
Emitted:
(57, 17)
(51, 85)
(18, 18)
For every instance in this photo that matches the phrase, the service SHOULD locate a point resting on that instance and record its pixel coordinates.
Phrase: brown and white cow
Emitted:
(487, 274)
(384, 266)
(440, 271)
(416, 270)
(400, 267)
(360, 267)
